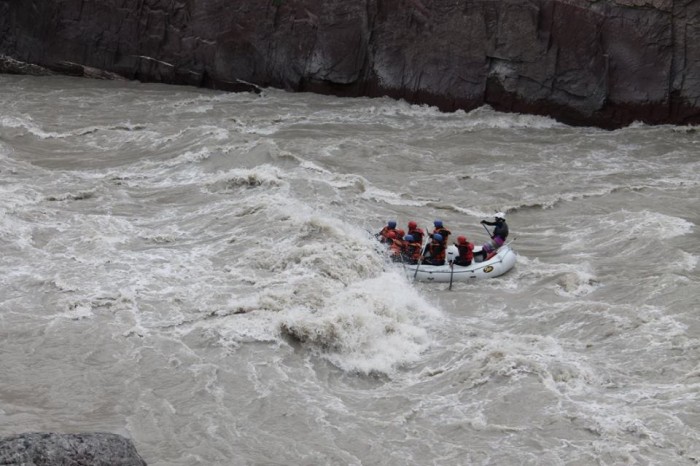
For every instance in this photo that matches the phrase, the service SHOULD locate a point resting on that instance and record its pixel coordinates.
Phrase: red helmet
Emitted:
(400, 233)
(412, 225)
(391, 234)
(462, 239)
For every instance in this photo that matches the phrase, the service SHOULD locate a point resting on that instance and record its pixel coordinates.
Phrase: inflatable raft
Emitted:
(502, 262)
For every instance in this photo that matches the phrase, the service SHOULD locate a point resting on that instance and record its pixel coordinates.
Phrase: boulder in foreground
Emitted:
(53, 449)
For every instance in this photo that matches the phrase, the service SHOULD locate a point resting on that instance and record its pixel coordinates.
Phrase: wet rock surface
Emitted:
(606, 63)
(52, 449)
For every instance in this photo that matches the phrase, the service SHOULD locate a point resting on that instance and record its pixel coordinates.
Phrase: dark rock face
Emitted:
(599, 62)
(49, 449)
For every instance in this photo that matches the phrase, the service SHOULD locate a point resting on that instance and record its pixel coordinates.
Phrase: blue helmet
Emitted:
(408, 238)
(437, 237)
(437, 223)
(391, 224)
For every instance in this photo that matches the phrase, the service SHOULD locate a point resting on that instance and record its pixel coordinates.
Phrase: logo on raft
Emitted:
(488, 268)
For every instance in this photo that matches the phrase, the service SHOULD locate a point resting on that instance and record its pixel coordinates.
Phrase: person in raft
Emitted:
(412, 249)
(466, 251)
(416, 232)
(435, 254)
(397, 245)
(499, 235)
(442, 231)
(383, 235)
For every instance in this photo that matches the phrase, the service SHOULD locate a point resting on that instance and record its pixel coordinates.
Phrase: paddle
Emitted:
(403, 263)
(482, 252)
(420, 259)
(452, 271)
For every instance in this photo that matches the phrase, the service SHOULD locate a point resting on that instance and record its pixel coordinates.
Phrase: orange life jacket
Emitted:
(444, 232)
(436, 251)
(466, 251)
(412, 251)
(396, 247)
(384, 234)
(417, 234)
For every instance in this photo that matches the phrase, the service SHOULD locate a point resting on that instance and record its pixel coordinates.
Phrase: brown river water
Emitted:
(193, 270)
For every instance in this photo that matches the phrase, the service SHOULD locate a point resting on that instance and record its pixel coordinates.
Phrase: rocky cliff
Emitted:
(594, 62)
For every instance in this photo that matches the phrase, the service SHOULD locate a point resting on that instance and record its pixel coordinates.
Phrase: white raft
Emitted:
(499, 264)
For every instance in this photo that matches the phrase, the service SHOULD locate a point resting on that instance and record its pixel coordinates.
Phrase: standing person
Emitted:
(435, 254)
(499, 235)
(383, 235)
(412, 249)
(466, 251)
(442, 231)
(416, 232)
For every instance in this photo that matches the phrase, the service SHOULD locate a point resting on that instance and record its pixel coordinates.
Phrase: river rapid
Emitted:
(193, 270)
